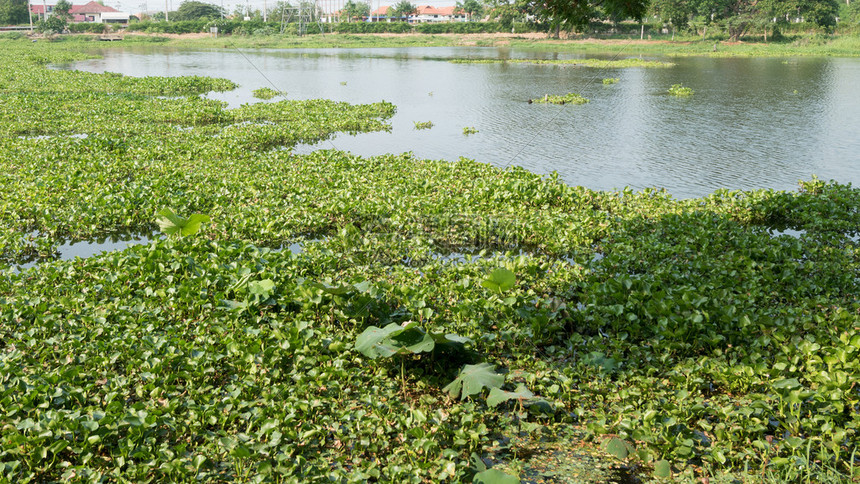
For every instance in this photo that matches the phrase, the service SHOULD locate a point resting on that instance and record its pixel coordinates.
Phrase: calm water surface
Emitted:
(752, 123)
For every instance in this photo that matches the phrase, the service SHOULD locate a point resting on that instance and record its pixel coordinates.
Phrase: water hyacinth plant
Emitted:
(266, 93)
(706, 342)
(569, 98)
(680, 90)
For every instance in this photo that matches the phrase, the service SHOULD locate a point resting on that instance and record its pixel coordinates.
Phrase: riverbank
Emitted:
(809, 45)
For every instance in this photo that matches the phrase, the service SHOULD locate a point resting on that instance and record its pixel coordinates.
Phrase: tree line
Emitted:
(735, 17)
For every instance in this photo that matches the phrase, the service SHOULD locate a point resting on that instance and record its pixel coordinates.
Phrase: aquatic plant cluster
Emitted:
(569, 98)
(440, 318)
(680, 90)
(594, 63)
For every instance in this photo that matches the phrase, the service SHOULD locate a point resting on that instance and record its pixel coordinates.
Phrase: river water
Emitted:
(752, 122)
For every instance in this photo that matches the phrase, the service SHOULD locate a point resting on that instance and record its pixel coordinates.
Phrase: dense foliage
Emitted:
(13, 12)
(194, 10)
(695, 332)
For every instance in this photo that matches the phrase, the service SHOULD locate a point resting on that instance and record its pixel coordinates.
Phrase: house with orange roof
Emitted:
(88, 12)
(429, 14)
(423, 14)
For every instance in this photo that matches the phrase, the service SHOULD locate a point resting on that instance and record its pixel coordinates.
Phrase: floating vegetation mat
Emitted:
(680, 90)
(569, 98)
(699, 344)
(597, 63)
(266, 93)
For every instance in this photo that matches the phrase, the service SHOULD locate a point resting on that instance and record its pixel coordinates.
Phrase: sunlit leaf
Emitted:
(662, 469)
(494, 476)
(473, 379)
(497, 395)
(500, 280)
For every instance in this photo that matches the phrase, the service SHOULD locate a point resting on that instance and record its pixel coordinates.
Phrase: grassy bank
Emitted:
(801, 45)
(439, 318)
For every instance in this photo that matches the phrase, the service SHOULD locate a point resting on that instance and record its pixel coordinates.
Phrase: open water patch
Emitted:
(69, 250)
(299, 246)
(787, 232)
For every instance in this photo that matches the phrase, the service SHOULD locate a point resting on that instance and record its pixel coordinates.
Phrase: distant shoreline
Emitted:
(807, 45)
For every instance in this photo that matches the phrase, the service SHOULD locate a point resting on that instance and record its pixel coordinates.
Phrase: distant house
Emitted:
(89, 12)
(428, 14)
(381, 15)
(424, 14)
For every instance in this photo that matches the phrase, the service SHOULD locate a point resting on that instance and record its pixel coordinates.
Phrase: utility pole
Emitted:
(165, 11)
(30, 13)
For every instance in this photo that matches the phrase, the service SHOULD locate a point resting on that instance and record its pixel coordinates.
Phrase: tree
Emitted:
(675, 12)
(281, 11)
(194, 10)
(739, 16)
(353, 10)
(471, 8)
(506, 12)
(59, 19)
(62, 10)
(570, 14)
(820, 12)
(13, 12)
(402, 9)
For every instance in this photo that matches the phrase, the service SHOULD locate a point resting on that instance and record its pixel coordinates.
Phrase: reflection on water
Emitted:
(752, 123)
(72, 249)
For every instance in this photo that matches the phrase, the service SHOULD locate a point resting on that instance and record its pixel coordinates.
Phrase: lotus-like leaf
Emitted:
(171, 224)
(500, 280)
(263, 288)
(374, 342)
(619, 448)
(662, 469)
(494, 476)
(371, 342)
(497, 395)
(473, 379)
(413, 339)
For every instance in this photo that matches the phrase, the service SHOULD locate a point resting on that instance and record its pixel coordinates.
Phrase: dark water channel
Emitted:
(89, 248)
(752, 122)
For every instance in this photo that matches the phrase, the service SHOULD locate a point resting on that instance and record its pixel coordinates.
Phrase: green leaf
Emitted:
(171, 224)
(449, 339)
(477, 463)
(598, 359)
(619, 448)
(497, 395)
(59, 446)
(494, 476)
(241, 452)
(413, 339)
(500, 280)
(787, 384)
(394, 339)
(473, 379)
(371, 343)
(662, 469)
(192, 225)
(261, 288)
